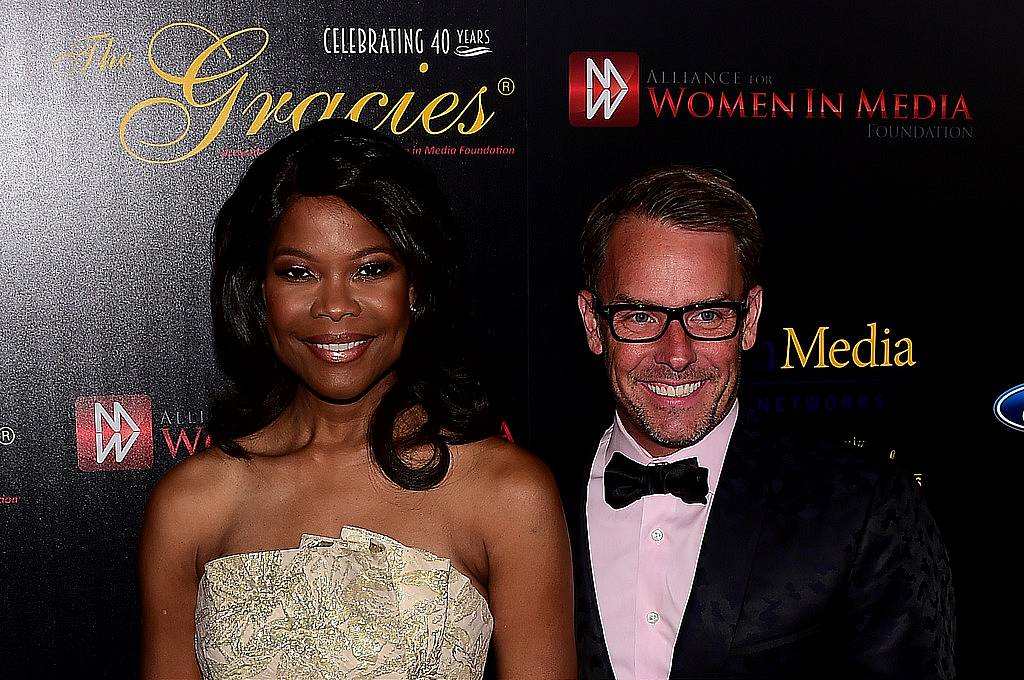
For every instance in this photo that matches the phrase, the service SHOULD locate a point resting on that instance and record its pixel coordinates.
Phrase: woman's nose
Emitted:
(334, 299)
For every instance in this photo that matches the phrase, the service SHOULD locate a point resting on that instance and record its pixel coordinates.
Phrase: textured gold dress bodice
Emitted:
(359, 606)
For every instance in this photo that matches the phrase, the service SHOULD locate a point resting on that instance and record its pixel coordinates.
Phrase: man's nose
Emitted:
(675, 347)
(335, 299)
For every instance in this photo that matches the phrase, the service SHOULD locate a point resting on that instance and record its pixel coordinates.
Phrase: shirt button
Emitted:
(652, 617)
(657, 535)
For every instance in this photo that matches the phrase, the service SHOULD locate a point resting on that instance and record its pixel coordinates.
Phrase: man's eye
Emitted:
(641, 318)
(708, 315)
(374, 270)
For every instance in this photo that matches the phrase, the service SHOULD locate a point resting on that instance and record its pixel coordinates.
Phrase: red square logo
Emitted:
(604, 89)
(114, 432)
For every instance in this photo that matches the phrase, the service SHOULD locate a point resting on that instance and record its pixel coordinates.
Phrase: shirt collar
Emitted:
(710, 451)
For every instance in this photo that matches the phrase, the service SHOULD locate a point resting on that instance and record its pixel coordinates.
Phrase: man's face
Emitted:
(649, 261)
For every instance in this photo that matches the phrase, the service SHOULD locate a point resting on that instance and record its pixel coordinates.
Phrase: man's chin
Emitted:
(676, 440)
(678, 429)
(666, 430)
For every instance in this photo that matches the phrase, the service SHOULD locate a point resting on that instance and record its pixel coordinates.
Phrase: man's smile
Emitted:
(667, 390)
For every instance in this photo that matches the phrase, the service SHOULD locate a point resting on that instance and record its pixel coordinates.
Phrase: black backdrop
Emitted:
(915, 235)
(105, 260)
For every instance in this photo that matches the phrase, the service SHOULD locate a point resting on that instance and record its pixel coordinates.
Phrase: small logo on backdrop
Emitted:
(1009, 408)
(505, 432)
(604, 89)
(6, 436)
(184, 432)
(114, 432)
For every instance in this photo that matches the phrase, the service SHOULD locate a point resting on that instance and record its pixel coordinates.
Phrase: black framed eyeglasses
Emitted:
(646, 323)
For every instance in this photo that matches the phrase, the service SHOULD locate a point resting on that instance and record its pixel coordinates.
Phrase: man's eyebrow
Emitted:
(622, 299)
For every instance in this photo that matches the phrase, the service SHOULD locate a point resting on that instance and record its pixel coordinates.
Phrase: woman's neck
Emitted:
(314, 425)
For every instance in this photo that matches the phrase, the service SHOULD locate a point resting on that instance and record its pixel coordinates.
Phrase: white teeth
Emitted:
(337, 348)
(674, 390)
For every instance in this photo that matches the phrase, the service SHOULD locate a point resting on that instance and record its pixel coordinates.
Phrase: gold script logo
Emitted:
(242, 49)
(85, 57)
(867, 352)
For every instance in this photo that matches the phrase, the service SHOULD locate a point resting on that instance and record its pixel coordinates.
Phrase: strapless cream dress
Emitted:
(359, 606)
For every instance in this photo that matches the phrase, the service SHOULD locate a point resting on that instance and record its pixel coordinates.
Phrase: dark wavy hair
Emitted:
(391, 189)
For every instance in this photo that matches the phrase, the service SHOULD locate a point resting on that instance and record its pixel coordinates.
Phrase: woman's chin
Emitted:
(348, 393)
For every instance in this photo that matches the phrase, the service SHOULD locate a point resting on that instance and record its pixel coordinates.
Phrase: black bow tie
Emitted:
(626, 481)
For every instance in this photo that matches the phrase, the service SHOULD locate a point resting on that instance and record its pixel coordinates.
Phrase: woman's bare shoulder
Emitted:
(499, 456)
(510, 478)
(206, 476)
(194, 499)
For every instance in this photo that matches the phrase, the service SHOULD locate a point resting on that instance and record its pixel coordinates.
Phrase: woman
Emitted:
(354, 518)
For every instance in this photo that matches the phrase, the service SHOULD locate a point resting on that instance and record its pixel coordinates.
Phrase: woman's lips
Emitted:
(338, 349)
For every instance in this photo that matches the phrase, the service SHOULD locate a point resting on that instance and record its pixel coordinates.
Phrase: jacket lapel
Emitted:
(727, 552)
(592, 651)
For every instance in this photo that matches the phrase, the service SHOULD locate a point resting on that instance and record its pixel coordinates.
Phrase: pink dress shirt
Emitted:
(644, 555)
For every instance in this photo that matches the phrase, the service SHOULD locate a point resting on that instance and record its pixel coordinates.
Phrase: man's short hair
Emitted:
(690, 198)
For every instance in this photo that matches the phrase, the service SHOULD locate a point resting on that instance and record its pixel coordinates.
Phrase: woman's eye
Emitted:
(294, 273)
(374, 270)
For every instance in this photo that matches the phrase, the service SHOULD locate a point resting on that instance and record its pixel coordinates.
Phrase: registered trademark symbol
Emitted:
(506, 86)
(6, 436)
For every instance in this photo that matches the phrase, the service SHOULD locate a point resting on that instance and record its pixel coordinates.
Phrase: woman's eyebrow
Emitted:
(293, 251)
(370, 250)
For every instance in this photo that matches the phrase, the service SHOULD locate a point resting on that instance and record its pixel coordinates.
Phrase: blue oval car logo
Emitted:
(1009, 408)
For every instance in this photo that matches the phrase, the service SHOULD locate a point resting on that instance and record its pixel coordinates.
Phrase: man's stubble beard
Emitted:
(706, 423)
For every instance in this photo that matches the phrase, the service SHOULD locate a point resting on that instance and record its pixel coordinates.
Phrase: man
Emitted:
(709, 545)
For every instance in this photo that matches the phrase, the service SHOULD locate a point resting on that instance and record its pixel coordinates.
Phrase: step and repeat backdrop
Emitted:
(127, 127)
(879, 145)
(879, 148)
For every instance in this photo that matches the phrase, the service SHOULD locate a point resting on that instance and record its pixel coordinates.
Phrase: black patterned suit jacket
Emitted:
(818, 561)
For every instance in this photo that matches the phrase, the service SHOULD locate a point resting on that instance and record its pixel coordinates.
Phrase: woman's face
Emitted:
(337, 298)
